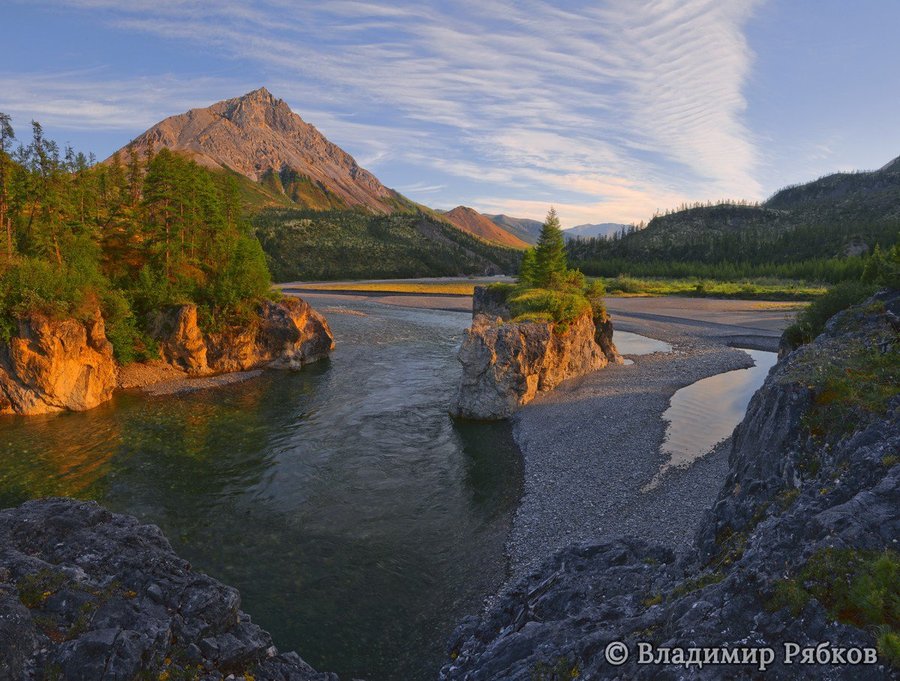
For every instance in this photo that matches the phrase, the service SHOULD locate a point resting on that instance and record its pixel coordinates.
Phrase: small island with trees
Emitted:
(530, 336)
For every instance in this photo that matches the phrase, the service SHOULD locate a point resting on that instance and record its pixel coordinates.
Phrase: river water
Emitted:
(358, 521)
(706, 412)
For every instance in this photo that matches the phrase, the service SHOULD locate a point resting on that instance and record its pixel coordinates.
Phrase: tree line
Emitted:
(127, 236)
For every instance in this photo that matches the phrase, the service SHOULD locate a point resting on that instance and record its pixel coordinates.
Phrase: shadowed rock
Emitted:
(89, 595)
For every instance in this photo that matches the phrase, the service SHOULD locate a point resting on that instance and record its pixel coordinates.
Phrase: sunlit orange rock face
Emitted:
(56, 365)
(68, 365)
(506, 364)
(287, 334)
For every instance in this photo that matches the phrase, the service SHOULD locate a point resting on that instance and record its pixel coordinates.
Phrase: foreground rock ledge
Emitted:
(506, 364)
(89, 595)
(789, 499)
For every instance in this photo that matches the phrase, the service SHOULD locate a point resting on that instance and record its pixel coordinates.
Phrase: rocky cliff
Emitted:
(57, 365)
(287, 334)
(87, 595)
(505, 363)
(794, 573)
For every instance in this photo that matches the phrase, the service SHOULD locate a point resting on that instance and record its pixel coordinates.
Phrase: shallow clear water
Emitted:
(635, 344)
(706, 412)
(359, 522)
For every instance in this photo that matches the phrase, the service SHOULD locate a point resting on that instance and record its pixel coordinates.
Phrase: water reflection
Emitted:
(359, 522)
(635, 344)
(706, 412)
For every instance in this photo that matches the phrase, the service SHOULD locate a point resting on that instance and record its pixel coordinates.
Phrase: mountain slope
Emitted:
(603, 229)
(831, 217)
(527, 230)
(473, 222)
(312, 245)
(260, 138)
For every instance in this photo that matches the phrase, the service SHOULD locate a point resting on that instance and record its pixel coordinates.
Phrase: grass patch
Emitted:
(863, 385)
(691, 585)
(563, 670)
(457, 289)
(749, 289)
(811, 321)
(859, 588)
(540, 304)
(36, 588)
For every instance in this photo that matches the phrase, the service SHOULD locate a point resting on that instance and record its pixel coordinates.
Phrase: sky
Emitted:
(608, 110)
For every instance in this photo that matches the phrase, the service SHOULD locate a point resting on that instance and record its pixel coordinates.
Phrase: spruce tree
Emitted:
(550, 254)
(6, 137)
(528, 269)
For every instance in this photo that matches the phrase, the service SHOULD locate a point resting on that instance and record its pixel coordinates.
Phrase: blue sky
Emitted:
(607, 110)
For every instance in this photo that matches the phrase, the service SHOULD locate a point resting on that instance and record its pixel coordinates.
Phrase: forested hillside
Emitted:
(128, 237)
(821, 230)
(310, 245)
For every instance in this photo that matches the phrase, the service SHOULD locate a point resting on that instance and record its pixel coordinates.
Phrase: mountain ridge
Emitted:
(471, 221)
(259, 137)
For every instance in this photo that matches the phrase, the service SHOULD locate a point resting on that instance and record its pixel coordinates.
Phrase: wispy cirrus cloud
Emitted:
(609, 110)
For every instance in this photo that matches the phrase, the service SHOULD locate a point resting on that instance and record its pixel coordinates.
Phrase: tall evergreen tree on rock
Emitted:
(550, 253)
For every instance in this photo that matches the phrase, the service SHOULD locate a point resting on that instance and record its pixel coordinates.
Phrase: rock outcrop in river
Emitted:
(287, 334)
(795, 568)
(505, 363)
(57, 365)
(87, 595)
(54, 365)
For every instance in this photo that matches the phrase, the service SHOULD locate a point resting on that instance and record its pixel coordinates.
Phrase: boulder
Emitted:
(287, 335)
(53, 365)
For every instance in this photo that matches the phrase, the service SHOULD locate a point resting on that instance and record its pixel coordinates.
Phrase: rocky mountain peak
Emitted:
(257, 134)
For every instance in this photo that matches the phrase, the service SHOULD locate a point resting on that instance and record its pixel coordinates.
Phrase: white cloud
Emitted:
(614, 107)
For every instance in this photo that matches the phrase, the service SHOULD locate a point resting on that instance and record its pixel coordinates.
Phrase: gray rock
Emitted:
(90, 595)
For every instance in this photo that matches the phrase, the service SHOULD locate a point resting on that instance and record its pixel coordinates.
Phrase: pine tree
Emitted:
(6, 137)
(528, 269)
(550, 254)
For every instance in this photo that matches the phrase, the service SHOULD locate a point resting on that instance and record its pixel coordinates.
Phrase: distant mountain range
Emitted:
(603, 229)
(471, 221)
(527, 230)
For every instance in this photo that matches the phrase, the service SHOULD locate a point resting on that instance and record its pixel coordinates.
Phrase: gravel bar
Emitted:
(591, 445)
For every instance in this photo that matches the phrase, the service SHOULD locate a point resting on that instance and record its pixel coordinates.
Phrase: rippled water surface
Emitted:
(706, 412)
(356, 518)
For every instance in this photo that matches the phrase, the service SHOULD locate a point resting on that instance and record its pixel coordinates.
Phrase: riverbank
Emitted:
(591, 445)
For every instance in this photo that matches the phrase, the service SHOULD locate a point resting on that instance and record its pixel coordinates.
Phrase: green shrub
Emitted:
(558, 306)
(811, 321)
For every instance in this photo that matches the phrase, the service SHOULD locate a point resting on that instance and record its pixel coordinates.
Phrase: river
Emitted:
(358, 521)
